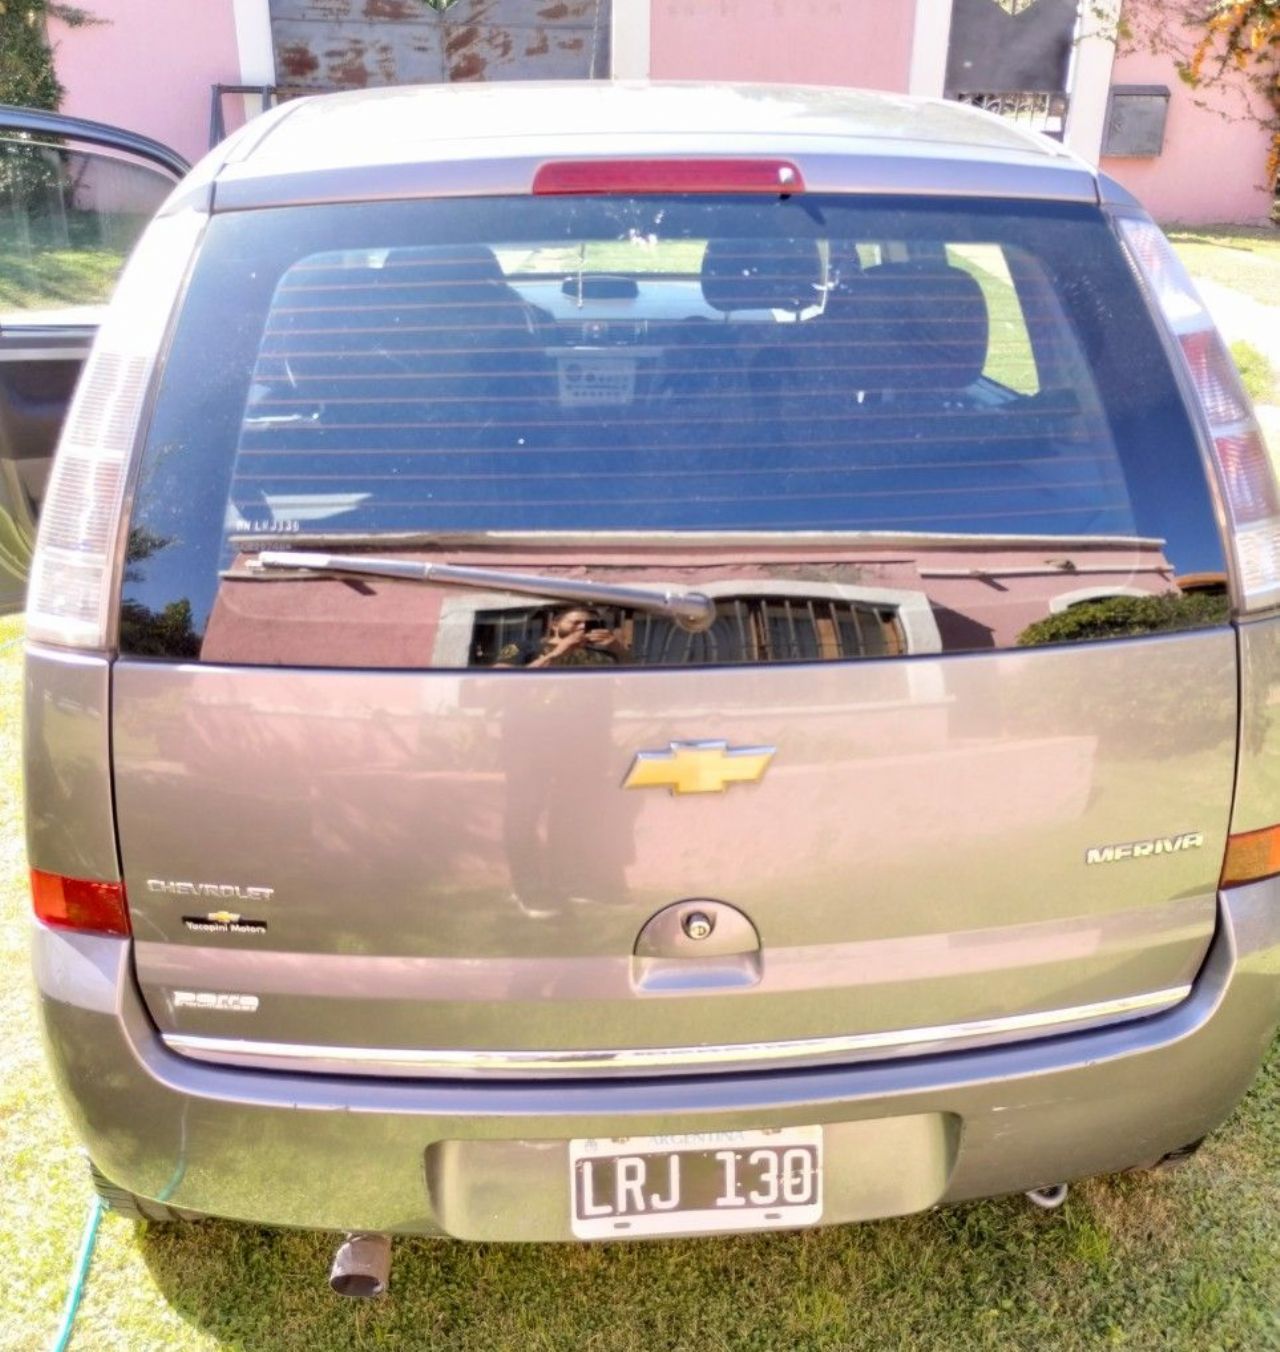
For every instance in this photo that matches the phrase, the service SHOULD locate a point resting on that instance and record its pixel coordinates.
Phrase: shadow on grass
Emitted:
(1126, 1256)
(260, 1289)
(1238, 237)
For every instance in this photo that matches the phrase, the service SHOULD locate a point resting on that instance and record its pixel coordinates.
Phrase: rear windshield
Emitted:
(862, 427)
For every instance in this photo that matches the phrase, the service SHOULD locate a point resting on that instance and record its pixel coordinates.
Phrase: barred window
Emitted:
(748, 629)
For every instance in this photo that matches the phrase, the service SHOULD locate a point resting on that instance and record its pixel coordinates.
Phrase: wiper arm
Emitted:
(690, 610)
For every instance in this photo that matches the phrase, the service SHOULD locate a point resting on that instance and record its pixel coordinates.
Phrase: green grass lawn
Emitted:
(1245, 258)
(1256, 372)
(1010, 360)
(56, 277)
(1189, 1260)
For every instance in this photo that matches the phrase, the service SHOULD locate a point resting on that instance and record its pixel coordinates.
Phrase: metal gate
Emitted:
(1014, 58)
(351, 44)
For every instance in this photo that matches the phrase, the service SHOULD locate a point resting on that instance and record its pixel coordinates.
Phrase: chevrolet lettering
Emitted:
(214, 891)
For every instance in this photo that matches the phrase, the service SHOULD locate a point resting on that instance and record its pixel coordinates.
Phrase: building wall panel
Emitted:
(864, 43)
(355, 44)
(1214, 157)
(149, 67)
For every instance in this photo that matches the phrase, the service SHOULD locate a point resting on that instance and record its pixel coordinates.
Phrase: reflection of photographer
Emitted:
(576, 637)
(559, 764)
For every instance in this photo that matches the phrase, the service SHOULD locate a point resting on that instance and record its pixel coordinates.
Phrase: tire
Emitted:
(122, 1203)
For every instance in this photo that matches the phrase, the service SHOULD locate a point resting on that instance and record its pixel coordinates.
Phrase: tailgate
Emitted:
(435, 865)
(952, 763)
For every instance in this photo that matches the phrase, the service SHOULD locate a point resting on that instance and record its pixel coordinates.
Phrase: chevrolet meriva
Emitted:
(630, 661)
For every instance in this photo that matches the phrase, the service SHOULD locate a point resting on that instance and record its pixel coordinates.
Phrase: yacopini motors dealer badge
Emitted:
(223, 922)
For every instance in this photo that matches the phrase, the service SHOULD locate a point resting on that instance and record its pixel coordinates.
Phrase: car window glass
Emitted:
(863, 430)
(428, 389)
(68, 219)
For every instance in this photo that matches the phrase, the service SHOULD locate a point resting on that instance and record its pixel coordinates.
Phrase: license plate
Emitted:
(701, 1182)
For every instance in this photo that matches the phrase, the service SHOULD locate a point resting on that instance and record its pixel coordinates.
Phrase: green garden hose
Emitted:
(83, 1259)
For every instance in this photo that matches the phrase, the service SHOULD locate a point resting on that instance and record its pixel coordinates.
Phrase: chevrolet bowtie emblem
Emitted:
(698, 767)
(223, 917)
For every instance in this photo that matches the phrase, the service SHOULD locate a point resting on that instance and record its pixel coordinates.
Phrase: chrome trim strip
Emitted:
(661, 1060)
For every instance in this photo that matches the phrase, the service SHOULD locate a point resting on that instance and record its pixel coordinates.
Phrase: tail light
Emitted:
(73, 573)
(1245, 473)
(740, 175)
(79, 903)
(1251, 856)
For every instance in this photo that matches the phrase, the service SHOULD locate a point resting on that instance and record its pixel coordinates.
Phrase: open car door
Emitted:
(74, 196)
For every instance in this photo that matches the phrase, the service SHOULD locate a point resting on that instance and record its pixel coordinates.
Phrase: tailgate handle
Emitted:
(697, 945)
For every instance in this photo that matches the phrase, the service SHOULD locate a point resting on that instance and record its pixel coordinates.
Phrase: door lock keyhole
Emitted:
(697, 924)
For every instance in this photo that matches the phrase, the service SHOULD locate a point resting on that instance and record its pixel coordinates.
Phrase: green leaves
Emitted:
(26, 63)
(1127, 616)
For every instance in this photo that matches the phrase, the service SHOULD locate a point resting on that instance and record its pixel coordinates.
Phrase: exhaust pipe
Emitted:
(1048, 1199)
(362, 1266)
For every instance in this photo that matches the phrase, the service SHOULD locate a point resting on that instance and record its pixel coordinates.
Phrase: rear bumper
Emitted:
(488, 1161)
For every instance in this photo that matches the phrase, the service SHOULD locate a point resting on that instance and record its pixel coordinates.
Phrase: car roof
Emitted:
(482, 138)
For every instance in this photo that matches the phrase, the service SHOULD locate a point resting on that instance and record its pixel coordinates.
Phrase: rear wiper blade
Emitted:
(691, 611)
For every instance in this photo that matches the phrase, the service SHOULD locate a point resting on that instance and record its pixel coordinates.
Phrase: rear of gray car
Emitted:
(708, 674)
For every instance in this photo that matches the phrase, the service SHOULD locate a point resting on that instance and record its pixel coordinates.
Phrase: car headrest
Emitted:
(921, 325)
(451, 299)
(436, 276)
(447, 281)
(448, 263)
(844, 266)
(761, 274)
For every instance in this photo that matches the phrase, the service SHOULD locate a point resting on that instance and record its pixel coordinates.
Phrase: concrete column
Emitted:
(630, 39)
(1091, 78)
(930, 39)
(257, 54)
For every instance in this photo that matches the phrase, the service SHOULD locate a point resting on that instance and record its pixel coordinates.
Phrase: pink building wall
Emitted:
(977, 597)
(148, 67)
(866, 43)
(1211, 168)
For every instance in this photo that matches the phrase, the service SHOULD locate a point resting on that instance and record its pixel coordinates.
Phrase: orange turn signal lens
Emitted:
(1251, 856)
(79, 903)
